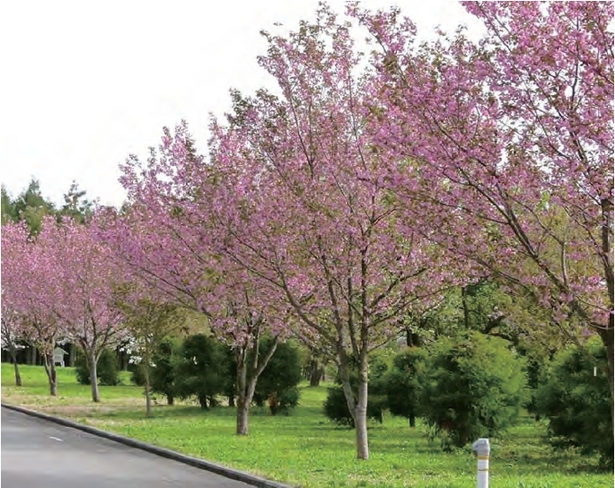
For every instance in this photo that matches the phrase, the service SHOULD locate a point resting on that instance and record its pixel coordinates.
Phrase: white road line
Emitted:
(55, 438)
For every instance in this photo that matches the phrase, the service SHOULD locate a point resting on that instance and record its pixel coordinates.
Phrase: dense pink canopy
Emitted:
(513, 143)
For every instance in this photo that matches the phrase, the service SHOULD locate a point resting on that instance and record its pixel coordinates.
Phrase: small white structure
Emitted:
(58, 356)
(482, 449)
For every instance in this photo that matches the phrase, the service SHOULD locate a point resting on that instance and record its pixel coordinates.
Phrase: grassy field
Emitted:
(304, 449)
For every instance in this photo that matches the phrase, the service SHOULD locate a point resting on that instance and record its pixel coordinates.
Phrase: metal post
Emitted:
(482, 449)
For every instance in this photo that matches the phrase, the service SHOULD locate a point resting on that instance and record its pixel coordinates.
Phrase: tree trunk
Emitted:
(358, 410)
(361, 419)
(243, 408)
(246, 386)
(13, 353)
(608, 340)
(347, 389)
(72, 356)
(466, 311)
(148, 399)
(315, 375)
(358, 407)
(50, 369)
(170, 399)
(245, 393)
(94, 377)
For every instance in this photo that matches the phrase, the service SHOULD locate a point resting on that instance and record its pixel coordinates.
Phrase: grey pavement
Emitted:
(39, 454)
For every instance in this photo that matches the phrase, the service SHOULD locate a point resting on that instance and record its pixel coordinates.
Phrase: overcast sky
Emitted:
(86, 83)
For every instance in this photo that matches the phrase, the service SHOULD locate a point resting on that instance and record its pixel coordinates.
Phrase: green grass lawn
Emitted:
(304, 448)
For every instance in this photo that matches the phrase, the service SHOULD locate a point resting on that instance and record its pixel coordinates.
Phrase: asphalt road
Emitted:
(39, 454)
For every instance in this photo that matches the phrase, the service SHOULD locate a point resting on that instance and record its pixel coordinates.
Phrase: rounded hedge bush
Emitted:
(473, 386)
(577, 402)
(402, 383)
(200, 369)
(107, 369)
(277, 384)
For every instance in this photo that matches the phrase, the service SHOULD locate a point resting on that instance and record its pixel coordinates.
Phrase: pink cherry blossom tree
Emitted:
(12, 332)
(27, 265)
(170, 240)
(508, 145)
(308, 210)
(85, 278)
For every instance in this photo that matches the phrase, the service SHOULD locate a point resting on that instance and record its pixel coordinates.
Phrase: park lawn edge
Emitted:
(409, 462)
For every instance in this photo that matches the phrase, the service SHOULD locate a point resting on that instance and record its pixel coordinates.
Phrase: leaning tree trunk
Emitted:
(93, 363)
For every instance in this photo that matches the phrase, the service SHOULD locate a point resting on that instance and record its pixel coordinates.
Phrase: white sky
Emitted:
(85, 83)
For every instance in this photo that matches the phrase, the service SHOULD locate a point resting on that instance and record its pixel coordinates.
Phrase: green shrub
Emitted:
(162, 372)
(107, 368)
(201, 369)
(289, 399)
(136, 374)
(576, 402)
(473, 386)
(278, 381)
(402, 383)
(336, 407)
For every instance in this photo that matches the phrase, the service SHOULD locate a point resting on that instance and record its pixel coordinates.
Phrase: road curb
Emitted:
(160, 451)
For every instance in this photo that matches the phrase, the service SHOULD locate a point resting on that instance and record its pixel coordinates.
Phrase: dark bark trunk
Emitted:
(148, 396)
(347, 389)
(32, 356)
(608, 340)
(315, 376)
(170, 399)
(466, 311)
(72, 356)
(13, 353)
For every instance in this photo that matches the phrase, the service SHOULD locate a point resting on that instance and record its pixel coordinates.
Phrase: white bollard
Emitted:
(482, 449)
